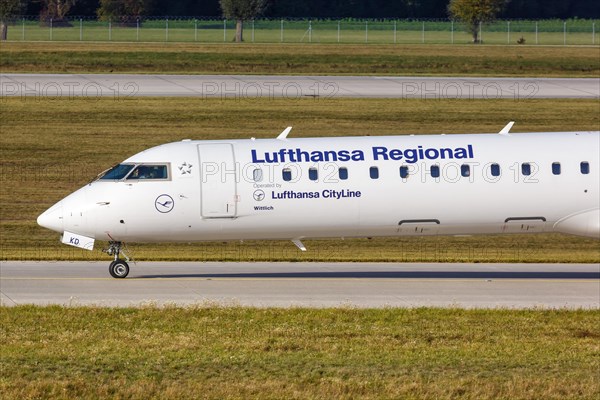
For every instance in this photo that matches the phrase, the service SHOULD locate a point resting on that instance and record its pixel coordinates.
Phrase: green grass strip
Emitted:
(213, 352)
(296, 59)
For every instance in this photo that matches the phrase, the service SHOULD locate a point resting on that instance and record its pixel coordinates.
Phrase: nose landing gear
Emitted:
(118, 268)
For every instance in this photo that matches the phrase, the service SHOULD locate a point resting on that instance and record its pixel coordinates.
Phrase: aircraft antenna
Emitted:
(283, 135)
(505, 131)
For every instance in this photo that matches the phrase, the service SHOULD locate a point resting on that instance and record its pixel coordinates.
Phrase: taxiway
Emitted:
(293, 87)
(304, 284)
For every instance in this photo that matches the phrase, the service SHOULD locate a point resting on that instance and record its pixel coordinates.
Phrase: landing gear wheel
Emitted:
(118, 269)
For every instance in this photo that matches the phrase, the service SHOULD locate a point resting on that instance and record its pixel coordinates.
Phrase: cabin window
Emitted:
(526, 169)
(117, 172)
(403, 172)
(343, 173)
(374, 172)
(495, 170)
(146, 172)
(584, 167)
(556, 168)
(313, 174)
(286, 174)
(435, 171)
(257, 175)
(465, 170)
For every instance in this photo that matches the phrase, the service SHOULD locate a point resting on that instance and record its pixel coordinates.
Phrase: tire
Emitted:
(118, 269)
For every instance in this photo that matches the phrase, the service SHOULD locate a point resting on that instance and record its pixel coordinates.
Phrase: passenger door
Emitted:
(218, 176)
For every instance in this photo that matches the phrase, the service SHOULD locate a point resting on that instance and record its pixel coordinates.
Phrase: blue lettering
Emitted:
(446, 153)
(316, 156)
(380, 151)
(344, 155)
(460, 153)
(432, 154)
(396, 154)
(358, 155)
(411, 155)
(255, 158)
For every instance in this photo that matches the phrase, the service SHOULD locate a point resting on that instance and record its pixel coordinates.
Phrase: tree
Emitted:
(8, 10)
(240, 11)
(122, 10)
(55, 9)
(475, 12)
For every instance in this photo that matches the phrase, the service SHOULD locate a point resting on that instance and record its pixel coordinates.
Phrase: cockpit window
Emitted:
(149, 172)
(117, 172)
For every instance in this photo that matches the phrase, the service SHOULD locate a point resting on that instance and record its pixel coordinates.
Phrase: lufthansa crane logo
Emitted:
(259, 195)
(164, 203)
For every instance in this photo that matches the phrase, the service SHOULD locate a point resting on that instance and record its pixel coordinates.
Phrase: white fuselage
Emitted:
(268, 189)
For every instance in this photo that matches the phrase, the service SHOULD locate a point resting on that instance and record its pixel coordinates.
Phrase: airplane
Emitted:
(297, 188)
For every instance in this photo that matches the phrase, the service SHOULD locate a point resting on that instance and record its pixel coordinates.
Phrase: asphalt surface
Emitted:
(304, 284)
(293, 87)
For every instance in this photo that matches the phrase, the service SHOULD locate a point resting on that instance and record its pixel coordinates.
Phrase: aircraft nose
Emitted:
(52, 218)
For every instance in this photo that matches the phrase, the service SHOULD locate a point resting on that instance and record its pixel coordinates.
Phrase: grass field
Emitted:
(212, 352)
(51, 147)
(548, 32)
(192, 58)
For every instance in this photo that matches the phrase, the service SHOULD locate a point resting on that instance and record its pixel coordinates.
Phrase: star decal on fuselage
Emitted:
(185, 168)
